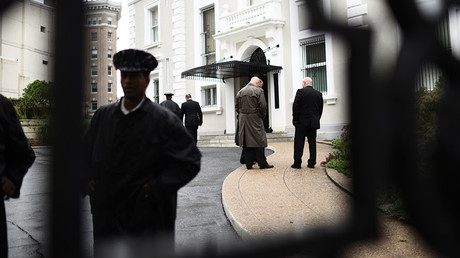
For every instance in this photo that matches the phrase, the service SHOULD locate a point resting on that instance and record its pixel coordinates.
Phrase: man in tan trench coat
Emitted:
(252, 108)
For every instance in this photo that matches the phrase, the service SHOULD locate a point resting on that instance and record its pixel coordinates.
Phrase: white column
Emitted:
(230, 117)
(178, 46)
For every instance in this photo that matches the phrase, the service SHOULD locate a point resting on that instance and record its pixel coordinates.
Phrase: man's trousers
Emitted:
(302, 131)
(192, 129)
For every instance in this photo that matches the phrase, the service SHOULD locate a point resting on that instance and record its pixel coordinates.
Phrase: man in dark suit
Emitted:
(306, 113)
(193, 115)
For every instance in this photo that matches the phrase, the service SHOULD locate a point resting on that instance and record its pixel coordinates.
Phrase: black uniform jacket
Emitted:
(16, 155)
(192, 111)
(308, 107)
(171, 105)
(138, 161)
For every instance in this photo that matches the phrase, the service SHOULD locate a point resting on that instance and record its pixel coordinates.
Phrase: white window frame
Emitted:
(315, 40)
(109, 20)
(92, 34)
(94, 89)
(255, 2)
(330, 97)
(94, 69)
(148, 30)
(94, 53)
(94, 102)
(156, 89)
(213, 95)
(202, 33)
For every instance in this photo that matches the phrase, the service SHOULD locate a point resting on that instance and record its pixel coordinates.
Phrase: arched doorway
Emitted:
(258, 57)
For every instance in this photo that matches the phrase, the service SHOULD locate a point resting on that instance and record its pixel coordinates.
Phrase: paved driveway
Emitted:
(200, 217)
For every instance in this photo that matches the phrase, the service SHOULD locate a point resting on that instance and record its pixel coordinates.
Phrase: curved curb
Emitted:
(241, 231)
(340, 186)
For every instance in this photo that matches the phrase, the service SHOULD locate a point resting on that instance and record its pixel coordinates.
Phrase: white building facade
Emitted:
(201, 45)
(184, 35)
(27, 45)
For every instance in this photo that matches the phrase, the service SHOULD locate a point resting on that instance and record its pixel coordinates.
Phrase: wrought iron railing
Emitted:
(388, 122)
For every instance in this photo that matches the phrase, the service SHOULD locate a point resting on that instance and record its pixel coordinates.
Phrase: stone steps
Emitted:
(228, 140)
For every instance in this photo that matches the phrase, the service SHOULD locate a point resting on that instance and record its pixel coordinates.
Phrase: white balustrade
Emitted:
(269, 10)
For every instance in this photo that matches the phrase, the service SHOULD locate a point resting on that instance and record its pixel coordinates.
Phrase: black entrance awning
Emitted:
(230, 69)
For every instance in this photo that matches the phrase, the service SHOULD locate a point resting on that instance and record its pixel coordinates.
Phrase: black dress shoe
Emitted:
(267, 166)
(295, 166)
(249, 166)
(311, 166)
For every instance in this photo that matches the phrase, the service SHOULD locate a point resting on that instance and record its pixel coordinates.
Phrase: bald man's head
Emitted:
(256, 81)
(307, 81)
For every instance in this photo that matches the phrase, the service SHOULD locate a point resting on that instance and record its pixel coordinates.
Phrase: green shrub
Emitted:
(36, 101)
(341, 160)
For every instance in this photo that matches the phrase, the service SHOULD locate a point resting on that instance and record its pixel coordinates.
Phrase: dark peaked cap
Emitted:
(133, 60)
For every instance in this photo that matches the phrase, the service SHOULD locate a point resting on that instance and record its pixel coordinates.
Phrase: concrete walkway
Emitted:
(266, 202)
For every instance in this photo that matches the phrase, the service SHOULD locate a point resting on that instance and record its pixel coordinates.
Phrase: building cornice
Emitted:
(252, 29)
(102, 5)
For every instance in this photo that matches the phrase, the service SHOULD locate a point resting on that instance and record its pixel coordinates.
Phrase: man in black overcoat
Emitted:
(140, 155)
(171, 105)
(193, 116)
(306, 113)
(16, 157)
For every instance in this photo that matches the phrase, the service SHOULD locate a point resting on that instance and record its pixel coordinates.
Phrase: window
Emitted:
(88, 22)
(109, 20)
(94, 20)
(109, 53)
(254, 2)
(42, 29)
(154, 24)
(429, 74)
(45, 62)
(94, 87)
(93, 36)
(93, 70)
(109, 36)
(109, 87)
(209, 44)
(156, 90)
(94, 53)
(109, 70)
(93, 105)
(99, 19)
(209, 95)
(314, 61)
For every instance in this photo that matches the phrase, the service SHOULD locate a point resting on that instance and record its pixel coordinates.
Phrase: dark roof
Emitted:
(230, 69)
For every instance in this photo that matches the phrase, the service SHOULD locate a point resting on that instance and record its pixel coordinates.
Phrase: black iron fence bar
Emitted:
(386, 121)
(67, 127)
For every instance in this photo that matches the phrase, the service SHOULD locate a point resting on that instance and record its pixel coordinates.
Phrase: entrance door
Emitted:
(243, 81)
(265, 88)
